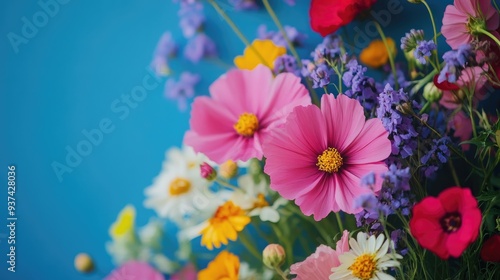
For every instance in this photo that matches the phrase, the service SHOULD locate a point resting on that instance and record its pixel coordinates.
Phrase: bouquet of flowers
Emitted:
(348, 163)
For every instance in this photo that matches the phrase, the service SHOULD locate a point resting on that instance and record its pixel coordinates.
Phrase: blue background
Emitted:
(64, 80)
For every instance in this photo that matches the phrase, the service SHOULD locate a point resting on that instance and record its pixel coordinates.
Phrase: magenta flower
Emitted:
(318, 266)
(468, 18)
(319, 156)
(233, 122)
(133, 270)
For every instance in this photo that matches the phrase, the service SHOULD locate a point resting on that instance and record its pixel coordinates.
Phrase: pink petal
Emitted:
(344, 119)
(347, 190)
(286, 92)
(360, 170)
(371, 145)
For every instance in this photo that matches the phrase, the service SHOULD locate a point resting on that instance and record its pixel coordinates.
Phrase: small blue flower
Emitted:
(424, 50)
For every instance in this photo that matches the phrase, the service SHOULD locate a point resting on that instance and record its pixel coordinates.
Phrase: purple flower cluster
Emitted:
(394, 196)
(198, 47)
(165, 48)
(181, 90)
(455, 61)
(437, 153)
(401, 129)
(327, 54)
(192, 21)
(362, 87)
(192, 18)
(410, 40)
(295, 37)
(286, 64)
(400, 77)
(423, 50)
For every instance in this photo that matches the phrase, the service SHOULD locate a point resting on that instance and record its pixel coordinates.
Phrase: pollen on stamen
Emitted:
(247, 124)
(330, 161)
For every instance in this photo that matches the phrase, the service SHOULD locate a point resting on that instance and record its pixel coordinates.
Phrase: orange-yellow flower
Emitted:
(261, 52)
(228, 220)
(225, 266)
(376, 55)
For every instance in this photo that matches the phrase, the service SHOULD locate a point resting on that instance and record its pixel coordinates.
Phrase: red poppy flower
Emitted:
(448, 224)
(329, 15)
(491, 247)
(445, 85)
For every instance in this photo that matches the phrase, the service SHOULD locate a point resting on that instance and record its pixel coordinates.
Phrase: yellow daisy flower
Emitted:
(228, 220)
(261, 52)
(123, 227)
(376, 55)
(225, 266)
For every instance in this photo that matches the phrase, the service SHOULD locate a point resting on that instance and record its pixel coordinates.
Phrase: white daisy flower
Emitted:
(252, 198)
(185, 157)
(179, 194)
(367, 259)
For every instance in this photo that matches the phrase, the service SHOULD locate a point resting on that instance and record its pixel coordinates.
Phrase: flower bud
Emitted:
(432, 93)
(228, 169)
(273, 255)
(208, 172)
(84, 263)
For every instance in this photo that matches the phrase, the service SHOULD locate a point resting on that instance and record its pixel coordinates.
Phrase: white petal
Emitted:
(269, 214)
(384, 276)
(380, 241)
(371, 244)
(383, 250)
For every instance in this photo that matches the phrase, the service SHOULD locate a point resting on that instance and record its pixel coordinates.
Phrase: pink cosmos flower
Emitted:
(460, 20)
(232, 123)
(318, 156)
(134, 270)
(318, 266)
(471, 78)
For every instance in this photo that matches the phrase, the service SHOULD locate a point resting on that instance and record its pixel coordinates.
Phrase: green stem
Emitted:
(454, 173)
(487, 33)
(339, 221)
(227, 185)
(248, 245)
(235, 29)
(280, 273)
(434, 29)
(389, 53)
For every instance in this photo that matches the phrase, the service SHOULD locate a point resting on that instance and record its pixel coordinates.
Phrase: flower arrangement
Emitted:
(351, 163)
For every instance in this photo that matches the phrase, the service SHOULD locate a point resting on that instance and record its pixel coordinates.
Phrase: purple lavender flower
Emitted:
(410, 40)
(165, 48)
(398, 236)
(181, 90)
(437, 154)
(290, 2)
(400, 127)
(286, 64)
(244, 4)
(329, 49)
(394, 196)
(423, 50)
(362, 88)
(321, 76)
(198, 47)
(192, 18)
(455, 61)
(295, 37)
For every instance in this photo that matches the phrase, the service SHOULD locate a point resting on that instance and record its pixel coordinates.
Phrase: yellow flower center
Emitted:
(247, 124)
(329, 161)
(179, 186)
(364, 266)
(260, 202)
